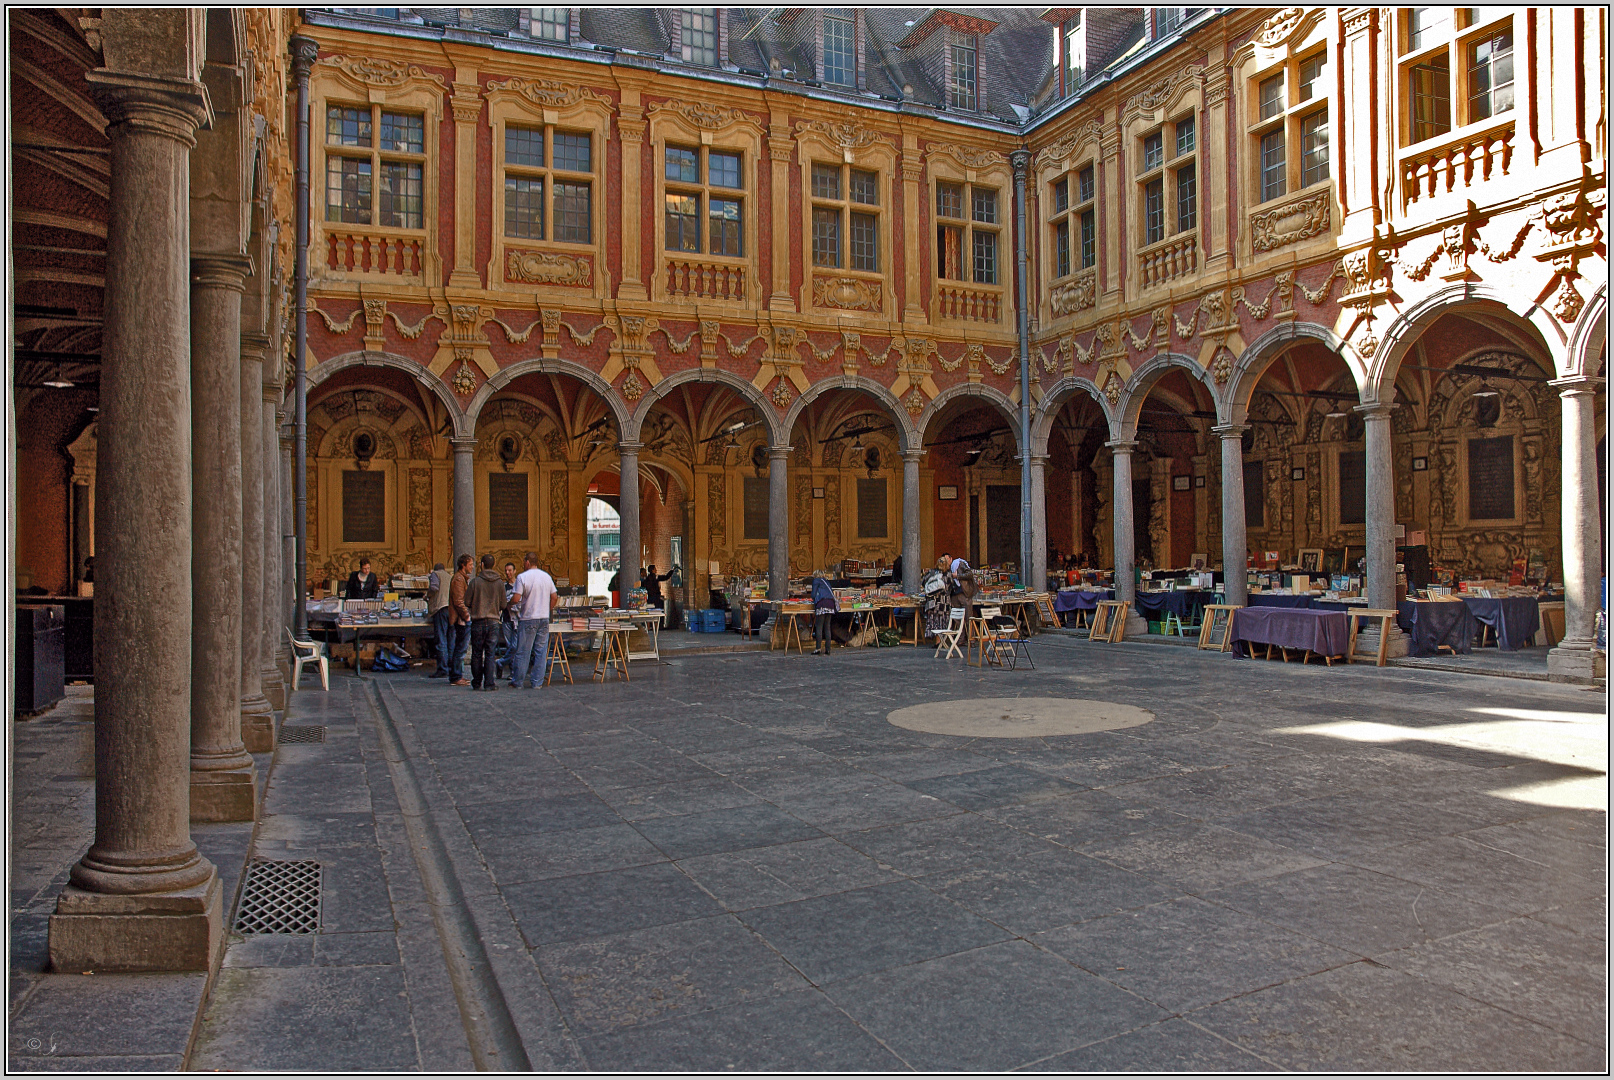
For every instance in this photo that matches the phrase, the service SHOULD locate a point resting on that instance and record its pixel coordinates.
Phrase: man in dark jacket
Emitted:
(651, 584)
(461, 620)
(362, 584)
(484, 598)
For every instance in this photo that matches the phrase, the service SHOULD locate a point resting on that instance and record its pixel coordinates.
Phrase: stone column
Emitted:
(778, 522)
(1582, 544)
(291, 590)
(275, 606)
(1381, 520)
(223, 784)
(1121, 517)
(257, 715)
(464, 499)
(143, 898)
(1235, 544)
(466, 105)
(1038, 579)
(628, 510)
(911, 568)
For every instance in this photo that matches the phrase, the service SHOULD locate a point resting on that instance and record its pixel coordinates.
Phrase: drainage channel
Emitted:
(495, 1043)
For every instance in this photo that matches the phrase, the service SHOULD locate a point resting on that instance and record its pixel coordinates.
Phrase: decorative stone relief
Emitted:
(558, 503)
(385, 74)
(781, 394)
(968, 157)
(375, 325)
(549, 94)
(632, 388)
(1076, 295)
(420, 505)
(1162, 91)
(705, 117)
(465, 379)
(716, 523)
(1279, 27)
(1112, 388)
(848, 293)
(847, 136)
(543, 268)
(1290, 223)
(914, 402)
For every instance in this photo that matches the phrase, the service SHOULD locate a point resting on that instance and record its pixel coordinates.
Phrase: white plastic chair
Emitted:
(947, 636)
(308, 652)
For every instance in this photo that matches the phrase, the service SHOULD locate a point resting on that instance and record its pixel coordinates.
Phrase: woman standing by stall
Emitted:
(824, 609)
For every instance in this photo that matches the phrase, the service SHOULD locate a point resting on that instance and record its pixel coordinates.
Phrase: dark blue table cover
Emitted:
(1323, 632)
(1186, 604)
(1515, 618)
(1433, 623)
(1274, 600)
(1081, 599)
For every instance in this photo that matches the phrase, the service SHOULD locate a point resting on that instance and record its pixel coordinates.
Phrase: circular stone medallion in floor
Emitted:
(1018, 718)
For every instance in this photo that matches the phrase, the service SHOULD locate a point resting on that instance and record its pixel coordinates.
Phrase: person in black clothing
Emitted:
(651, 584)
(361, 584)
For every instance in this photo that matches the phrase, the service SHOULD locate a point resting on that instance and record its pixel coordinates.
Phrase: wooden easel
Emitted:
(613, 651)
(1216, 626)
(557, 661)
(1109, 621)
(1045, 611)
(1355, 616)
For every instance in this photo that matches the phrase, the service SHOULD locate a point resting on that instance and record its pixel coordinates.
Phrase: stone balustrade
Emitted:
(1169, 260)
(1478, 157)
(349, 251)
(968, 303)
(696, 279)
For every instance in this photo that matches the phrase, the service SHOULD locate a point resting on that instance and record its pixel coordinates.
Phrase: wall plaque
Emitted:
(507, 506)
(364, 507)
(1490, 479)
(871, 522)
(756, 508)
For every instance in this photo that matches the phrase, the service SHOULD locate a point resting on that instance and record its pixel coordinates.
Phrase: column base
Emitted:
(1135, 623)
(274, 682)
(224, 796)
(1567, 664)
(1367, 641)
(105, 932)
(258, 725)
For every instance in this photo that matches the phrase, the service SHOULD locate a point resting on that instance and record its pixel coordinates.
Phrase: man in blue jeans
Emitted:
(442, 617)
(533, 598)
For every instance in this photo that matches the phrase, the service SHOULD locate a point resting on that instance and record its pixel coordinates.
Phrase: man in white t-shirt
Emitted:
(533, 597)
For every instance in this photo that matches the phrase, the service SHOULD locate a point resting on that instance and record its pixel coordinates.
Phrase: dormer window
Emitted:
(699, 36)
(961, 80)
(840, 48)
(1075, 44)
(552, 24)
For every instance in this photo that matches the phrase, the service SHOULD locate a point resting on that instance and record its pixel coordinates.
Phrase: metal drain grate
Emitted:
(303, 734)
(279, 898)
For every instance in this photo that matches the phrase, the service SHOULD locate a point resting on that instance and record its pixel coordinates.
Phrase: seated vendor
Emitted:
(362, 584)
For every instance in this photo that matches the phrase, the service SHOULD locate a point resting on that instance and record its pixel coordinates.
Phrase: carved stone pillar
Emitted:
(1218, 237)
(223, 784)
(1111, 256)
(1121, 509)
(1381, 518)
(913, 308)
(464, 498)
(467, 106)
(291, 590)
(257, 714)
(143, 898)
(628, 511)
(1582, 543)
(630, 125)
(1235, 544)
(274, 608)
(1359, 124)
(781, 147)
(911, 568)
(778, 522)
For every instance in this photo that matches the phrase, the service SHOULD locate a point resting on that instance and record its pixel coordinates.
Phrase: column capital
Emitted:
(304, 51)
(254, 347)
(1230, 431)
(915, 456)
(1121, 446)
(779, 453)
(174, 108)
(1577, 384)
(463, 445)
(629, 447)
(1039, 461)
(1375, 410)
(1020, 161)
(220, 270)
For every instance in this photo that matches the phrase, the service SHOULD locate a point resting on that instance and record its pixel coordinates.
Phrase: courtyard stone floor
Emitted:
(737, 862)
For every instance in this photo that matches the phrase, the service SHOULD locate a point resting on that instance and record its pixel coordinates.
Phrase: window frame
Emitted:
(671, 125)
(956, 100)
(534, 21)
(551, 176)
(1166, 171)
(832, 289)
(686, 16)
(1468, 27)
(853, 19)
(846, 208)
(378, 158)
(969, 225)
(1290, 120)
(703, 190)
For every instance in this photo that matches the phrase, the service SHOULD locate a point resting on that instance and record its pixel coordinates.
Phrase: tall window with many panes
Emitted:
(962, 76)
(846, 217)
(552, 23)
(840, 47)
(1290, 132)
(548, 184)
(1456, 69)
(1168, 178)
(704, 185)
(698, 35)
(375, 161)
(967, 231)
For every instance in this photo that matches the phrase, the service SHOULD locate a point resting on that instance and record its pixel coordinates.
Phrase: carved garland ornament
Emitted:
(543, 268)
(1283, 225)
(914, 402)
(707, 117)
(847, 136)
(970, 159)
(374, 72)
(465, 380)
(1280, 27)
(781, 393)
(549, 93)
(1112, 388)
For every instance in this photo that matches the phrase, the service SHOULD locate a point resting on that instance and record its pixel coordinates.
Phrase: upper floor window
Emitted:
(967, 227)
(548, 184)
(961, 82)
(840, 48)
(375, 166)
(1075, 45)
(1456, 68)
(846, 217)
(704, 184)
(1074, 222)
(1168, 19)
(552, 23)
(1170, 185)
(699, 35)
(1291, 130)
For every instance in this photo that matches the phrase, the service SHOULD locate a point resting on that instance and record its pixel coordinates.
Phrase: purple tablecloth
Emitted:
(1323, 632)
(1081, 599)
(1515, 618)
(1278, 601)
(1433, 623)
